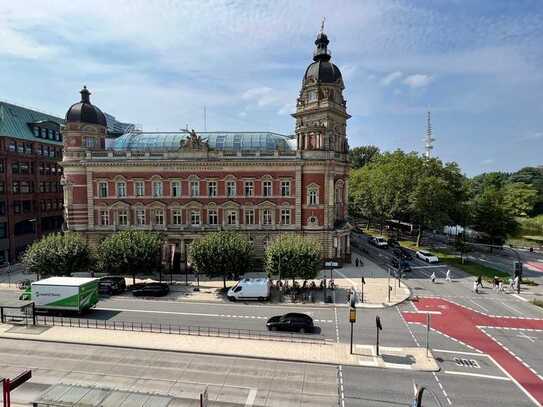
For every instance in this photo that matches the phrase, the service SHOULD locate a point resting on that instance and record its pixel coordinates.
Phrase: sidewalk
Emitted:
(328, 353)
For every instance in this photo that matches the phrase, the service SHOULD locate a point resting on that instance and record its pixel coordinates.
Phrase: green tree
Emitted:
(519, 198)
(491, 215)
(58, 254)
(221, 253)
(130, 252)
(363, 155)
(293, 256)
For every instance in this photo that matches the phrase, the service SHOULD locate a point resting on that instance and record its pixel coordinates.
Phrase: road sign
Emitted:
(352, 315)
(331, 264)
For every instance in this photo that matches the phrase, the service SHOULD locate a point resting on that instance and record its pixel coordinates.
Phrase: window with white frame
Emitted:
(140, 216)
(266, 216)
(267, 188)
(194, 188)
(212, 188)
(176, 189)
(102, 189)
(285, 188)
(122, 217)
(285, 216)
(212, 217)
(158, 216)
(249, 216)
(230, 189)
(195, 218)
(312, 196)
(157, 188)
(232, 217)
(139, 187)
(104, 217)
(249, 188)
(121, 189)
(176, 216)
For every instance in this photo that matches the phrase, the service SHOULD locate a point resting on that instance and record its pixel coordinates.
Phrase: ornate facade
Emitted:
(186, 184)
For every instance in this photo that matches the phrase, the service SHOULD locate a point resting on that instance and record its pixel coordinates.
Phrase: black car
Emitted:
(402, 254)
(403, 264)
(111, 285)
(292, 322)
(393, 243)
(151, 290)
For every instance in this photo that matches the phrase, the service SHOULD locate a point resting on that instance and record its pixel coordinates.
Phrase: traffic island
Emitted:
(327, 352)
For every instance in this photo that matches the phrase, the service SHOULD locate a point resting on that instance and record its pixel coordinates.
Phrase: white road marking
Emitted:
(251, 398)
(477, 375)
(337, 325)
(524, 336)
(442, 389)
(519, 297)
(511, 308)
(459, 352)
(341, 390)
(479, 305)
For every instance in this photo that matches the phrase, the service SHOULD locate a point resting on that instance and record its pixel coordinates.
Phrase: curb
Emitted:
(217, 354)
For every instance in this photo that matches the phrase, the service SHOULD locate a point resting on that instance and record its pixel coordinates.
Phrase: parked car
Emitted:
(402, 253)
(379, 242)
(151, 290)
(427, 256)
(111, 285)
(401, 263)
(292, 322)
(393, 243)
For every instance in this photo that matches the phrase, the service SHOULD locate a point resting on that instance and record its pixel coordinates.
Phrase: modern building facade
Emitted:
(186, 184)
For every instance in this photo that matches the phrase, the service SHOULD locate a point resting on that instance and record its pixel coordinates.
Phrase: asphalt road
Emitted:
(467, 377)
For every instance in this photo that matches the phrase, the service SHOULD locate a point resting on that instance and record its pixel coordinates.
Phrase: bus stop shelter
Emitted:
(14, 310)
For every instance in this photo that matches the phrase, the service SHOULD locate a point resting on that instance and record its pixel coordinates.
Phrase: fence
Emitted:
(131, 326)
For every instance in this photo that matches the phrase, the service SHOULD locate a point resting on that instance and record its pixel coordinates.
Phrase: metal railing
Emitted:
(150, 327)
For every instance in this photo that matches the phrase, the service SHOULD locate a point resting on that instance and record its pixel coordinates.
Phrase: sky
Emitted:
(476, 65)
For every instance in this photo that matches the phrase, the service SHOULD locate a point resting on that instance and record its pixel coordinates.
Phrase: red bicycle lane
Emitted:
(465, 325)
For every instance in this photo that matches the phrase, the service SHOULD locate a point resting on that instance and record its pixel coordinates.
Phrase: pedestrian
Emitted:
(356, 262)
(511, 284)
(516, 284)
(476, 287)
(480, 281)
(500, 286)
(495, 282)
(433, 277)
(448, 275)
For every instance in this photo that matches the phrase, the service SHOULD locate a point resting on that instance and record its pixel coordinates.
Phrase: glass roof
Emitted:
(255, 141)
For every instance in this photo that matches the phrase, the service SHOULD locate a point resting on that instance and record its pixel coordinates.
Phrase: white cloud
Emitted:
(263, 96)
(533, 136)
(488, 161)
(417, 80)
(391, 77)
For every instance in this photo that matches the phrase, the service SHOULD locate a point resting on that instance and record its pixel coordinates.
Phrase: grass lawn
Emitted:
(453, 259)
(539, 303)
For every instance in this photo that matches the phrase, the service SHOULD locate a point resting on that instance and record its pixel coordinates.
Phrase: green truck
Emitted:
(63, 294)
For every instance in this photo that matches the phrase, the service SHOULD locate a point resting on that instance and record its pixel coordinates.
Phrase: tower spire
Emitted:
(429, 140)
(321, 53)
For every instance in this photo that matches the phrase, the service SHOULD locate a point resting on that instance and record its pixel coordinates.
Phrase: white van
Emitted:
(250, 289)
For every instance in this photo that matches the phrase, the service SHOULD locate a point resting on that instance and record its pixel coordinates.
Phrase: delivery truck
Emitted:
(63, 294)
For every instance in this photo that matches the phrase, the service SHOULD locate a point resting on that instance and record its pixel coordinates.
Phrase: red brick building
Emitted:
(30, 191)
(186, 184)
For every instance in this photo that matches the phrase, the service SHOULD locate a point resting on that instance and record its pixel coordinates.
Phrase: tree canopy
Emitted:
(408, 187)
(293, 257)
(363, 155)
(58, 254)
(130, 252)
(222, 253)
